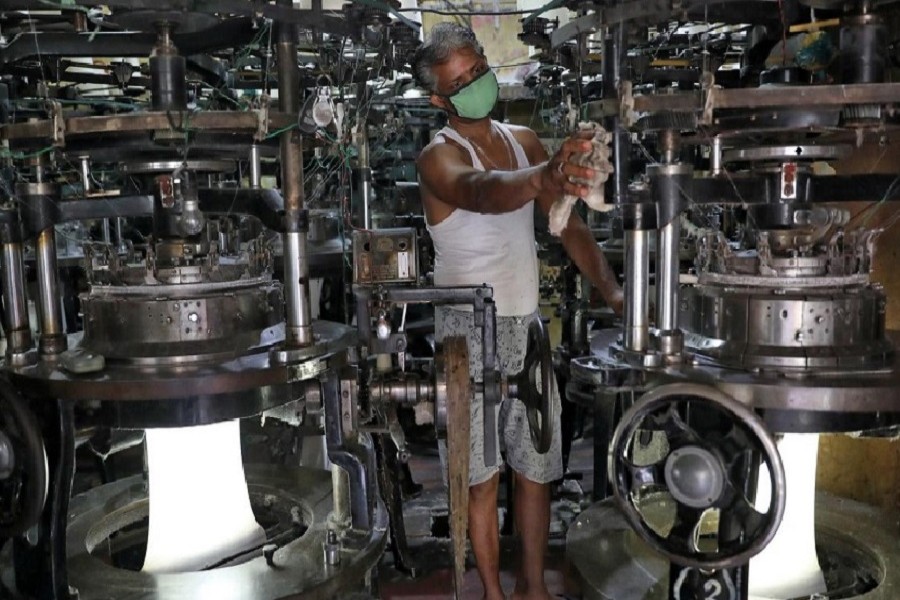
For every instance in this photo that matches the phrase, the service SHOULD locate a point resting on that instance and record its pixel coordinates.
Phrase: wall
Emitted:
(869, 469)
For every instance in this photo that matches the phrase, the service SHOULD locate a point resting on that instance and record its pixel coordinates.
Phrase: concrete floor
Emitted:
(425, 518)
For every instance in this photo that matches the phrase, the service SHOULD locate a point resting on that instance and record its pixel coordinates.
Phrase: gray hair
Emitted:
(443, 40)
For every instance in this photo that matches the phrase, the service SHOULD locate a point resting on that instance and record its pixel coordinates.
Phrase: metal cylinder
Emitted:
(296, 290)
(332, 549)
(53, 339)
(613, 58)
(667, 276)
(296, 262)
(669, 145)
(168, 88)
(863, 49)
(637, 288)
(670, 187)
(715, 156)
(15, 306)
(167, 82)
(255, 175)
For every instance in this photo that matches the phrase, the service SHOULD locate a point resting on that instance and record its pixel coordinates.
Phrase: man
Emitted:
(479, 180)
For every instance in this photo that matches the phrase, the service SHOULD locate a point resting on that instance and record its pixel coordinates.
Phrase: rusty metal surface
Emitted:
(459, 398)
(783, 96)
(298, 570)
(257, 367)
(230, 121)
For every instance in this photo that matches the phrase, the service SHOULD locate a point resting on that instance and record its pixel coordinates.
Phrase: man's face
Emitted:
(460, 68)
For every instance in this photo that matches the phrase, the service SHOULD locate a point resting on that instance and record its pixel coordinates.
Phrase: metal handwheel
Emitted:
(23, 465)
(700, 470)
(533, 386)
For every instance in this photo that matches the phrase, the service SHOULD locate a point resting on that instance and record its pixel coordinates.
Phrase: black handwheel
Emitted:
(701, 470)
(534, 386)
(23, 464)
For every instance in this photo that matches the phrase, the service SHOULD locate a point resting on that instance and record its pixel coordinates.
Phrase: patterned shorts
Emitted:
(514, 436)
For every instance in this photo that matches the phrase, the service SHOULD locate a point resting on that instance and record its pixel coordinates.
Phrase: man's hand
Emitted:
(613, 296)
(556, 178)
(616, 301)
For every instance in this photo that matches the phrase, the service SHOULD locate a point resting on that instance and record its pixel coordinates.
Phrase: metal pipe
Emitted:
(15, 306)
(107, 237)
(296, 287)
(255, 176)
(637, 284)
(667, 276)
(613, 59)
(296, 262)
(53, 339)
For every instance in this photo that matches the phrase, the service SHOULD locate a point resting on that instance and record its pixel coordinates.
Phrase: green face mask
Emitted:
(477, 98)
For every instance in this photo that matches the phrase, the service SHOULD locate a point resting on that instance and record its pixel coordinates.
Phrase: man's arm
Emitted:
(576, 238)
(445, 172)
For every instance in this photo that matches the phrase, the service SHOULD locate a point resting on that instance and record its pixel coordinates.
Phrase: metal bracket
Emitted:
(708, 93)
(626, 103)
(306, 370)
(349, 414)
(262, 119)
(58, 123)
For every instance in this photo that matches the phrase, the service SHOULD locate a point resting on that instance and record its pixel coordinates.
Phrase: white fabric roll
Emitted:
(199, 504)
(789, 567)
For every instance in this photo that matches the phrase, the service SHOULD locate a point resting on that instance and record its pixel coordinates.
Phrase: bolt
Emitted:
(332, 548)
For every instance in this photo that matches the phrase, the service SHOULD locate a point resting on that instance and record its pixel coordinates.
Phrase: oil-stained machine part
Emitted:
(296, 569)
(701, 469)
(459, 399)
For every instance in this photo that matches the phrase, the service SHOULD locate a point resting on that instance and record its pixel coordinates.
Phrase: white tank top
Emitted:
(497, 250)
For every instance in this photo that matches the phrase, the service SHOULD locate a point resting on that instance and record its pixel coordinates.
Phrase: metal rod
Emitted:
(637, 284)
(85, 164)
(53, 338)
(255, 176)
(365, 175)
(15, 306)
(715, 156)
(296, 262)
(119, 239)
